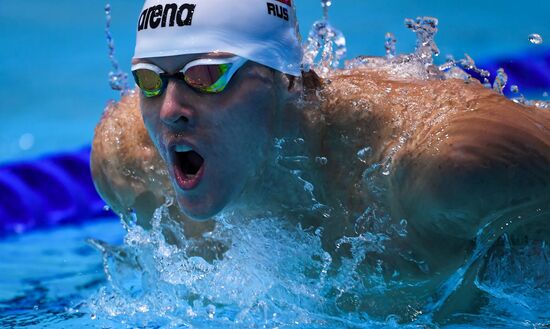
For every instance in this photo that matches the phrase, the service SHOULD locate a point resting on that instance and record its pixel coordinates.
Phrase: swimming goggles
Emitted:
(208, 75)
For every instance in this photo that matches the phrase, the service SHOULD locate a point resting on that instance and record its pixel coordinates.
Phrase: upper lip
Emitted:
(184, 144)
(174, 145)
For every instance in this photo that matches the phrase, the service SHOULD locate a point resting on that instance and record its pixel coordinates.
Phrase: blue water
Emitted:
(45, 276)
(54, 71)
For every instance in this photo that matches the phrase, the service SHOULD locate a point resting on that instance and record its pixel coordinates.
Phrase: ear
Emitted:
(309, 82)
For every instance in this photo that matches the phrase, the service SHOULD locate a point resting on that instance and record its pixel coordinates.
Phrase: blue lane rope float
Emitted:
(47, 192)
(58, 189)
(530, 71)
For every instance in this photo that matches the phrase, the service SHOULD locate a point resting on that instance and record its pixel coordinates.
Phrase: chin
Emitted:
(199, 209)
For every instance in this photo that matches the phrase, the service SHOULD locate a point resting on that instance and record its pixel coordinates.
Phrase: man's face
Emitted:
(213, 144)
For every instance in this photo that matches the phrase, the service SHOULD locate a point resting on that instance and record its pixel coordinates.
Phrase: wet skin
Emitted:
(463, 157)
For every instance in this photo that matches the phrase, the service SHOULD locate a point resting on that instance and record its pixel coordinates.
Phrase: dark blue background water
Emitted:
(54, 65)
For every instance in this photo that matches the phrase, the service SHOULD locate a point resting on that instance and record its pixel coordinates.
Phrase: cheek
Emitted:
(148, 113)
(255, 130)
(151, 119)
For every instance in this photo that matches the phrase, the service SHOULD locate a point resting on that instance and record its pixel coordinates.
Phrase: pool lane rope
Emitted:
(47, 192)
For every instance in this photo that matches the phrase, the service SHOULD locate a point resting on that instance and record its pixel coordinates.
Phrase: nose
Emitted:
(176, 111)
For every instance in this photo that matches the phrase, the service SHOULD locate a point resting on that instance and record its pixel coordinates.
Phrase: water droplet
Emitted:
(143, 308)
(535, 39)
(467, 62)
(500, 81)
(449, 64)
(278, 143)
(402, 228)
(323, 38)
(118, 79)
(389, 44)
(425, 28)
(106, 208)
(35, 307)
(514, 89)
(326, 5)
(93, 316)
(321, 160)
(211, 310)
(545, 94)
(299, 141)
(189, 311)
(26, 141)
(364, 153)
(319, 231)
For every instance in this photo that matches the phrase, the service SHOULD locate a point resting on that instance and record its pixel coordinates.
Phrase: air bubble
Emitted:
(321, 160)
(364, 153)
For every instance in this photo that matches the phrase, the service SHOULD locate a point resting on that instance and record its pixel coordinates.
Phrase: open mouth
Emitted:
(189, 166)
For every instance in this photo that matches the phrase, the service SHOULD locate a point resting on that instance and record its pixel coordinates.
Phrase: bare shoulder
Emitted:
(479, 155)
(126, 166)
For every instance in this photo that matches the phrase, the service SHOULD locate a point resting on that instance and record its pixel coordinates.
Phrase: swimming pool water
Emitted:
(47, 275)
(55, 279)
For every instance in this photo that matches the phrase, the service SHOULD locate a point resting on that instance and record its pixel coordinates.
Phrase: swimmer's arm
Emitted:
(474, 165)
(126, 168)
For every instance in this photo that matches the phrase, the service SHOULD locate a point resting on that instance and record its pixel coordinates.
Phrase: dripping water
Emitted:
(325, 46)
(118, 79)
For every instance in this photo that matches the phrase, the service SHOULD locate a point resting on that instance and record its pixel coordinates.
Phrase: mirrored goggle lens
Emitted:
(148, 81)
(207, 78)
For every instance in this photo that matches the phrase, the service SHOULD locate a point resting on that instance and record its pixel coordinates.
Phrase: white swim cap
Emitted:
(264, 31)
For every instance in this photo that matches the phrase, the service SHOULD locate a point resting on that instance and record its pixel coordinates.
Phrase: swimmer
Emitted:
(215, 91)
